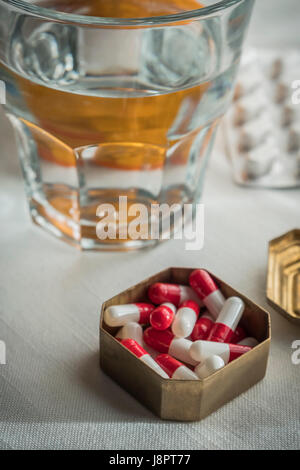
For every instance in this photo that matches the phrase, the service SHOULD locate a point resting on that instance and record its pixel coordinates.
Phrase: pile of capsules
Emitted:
(194, 331)
(262, 127)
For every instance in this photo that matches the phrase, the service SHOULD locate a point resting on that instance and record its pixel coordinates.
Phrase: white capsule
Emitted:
(180, 348)
(119, 315)
(248, 342)
(209, 366)
(184, 373)
(227, 321)
(255, 132)
(214, 303)
(231, 312)
(184, 322)
(131, 330)
(201, 350)
(185, 319)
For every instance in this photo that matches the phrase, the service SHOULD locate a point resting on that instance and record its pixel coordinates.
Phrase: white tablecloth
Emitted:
(52, 393)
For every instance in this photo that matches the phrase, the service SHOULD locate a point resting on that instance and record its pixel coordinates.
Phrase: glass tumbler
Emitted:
(116, 100)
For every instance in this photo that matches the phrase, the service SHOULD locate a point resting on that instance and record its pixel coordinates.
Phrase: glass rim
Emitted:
(65, 17)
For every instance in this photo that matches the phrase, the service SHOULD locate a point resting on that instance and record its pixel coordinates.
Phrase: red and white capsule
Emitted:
(207, 290)
(166, 342)
(175, 369)
(238, 335)
(131, 330)
(185, 319)
(161, 292)
(227, 321)
(249, 341)
(202, 327)
(143, 355)
(162, 316)
(209, 366)
(119, 315)
(201, 350)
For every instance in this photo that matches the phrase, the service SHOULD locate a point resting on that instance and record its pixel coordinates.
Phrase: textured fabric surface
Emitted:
(52, 393)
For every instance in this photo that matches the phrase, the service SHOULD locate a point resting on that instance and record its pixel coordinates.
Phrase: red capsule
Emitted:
(119, 315)
(207, 290)
(238, 335)
(227, 320)
(161, 292)
(202, 327)
(158, 340)
(165, 342)
(144, 356)
(174, 368)
(162, 317)
(202, 283)
(134, 347)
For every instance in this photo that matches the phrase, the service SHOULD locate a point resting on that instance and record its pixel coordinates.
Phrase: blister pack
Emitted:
(262, 126)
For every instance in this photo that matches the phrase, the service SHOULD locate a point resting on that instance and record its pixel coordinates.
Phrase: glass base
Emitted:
(70, 200)
(88, 243)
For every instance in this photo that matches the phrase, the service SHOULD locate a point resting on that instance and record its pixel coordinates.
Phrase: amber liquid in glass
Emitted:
(115, 132)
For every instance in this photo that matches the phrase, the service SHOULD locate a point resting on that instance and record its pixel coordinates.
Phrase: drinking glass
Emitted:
(116, 98)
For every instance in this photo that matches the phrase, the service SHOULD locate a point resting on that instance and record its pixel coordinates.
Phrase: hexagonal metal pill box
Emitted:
(184, 400)
(283, 284)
